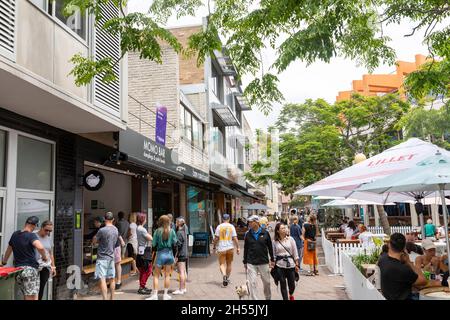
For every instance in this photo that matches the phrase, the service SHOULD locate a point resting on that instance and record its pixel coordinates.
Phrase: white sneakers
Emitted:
(167, 297)
(154, 296)
(182, 291)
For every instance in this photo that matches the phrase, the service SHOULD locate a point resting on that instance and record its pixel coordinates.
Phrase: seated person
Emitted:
(443, 264)
(344, 225)
(413, 250)
(429, 261)
(240, 223)
(365, 237)
(351, 230)
(397, 273)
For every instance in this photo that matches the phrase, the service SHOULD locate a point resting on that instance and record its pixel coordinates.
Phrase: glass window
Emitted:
(196, 205)
(43, 4)
(182, 123)
(195, 132)
(188, 126)
(34, 164)
(76, 22)
(32, 207)
(1, 221)
(2, 157)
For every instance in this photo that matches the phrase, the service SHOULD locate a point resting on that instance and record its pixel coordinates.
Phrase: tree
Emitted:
(310, 31)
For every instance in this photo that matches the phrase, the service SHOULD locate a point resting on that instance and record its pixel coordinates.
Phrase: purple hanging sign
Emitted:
(161, 123)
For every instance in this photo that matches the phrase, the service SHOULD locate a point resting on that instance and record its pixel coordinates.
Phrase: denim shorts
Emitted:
(164, 257)
(104, 269)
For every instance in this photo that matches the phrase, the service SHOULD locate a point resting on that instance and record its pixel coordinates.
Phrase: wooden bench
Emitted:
(333, 236)
(90, 268)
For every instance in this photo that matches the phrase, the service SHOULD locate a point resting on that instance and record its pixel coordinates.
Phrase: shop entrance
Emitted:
(162, 204)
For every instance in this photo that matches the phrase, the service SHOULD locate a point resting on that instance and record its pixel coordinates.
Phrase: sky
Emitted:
(318, 80)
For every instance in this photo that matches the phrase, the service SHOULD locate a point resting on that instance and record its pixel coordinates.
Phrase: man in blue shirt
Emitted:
(296, 233)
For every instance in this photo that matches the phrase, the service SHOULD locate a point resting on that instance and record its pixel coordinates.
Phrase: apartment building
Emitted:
(45, 119)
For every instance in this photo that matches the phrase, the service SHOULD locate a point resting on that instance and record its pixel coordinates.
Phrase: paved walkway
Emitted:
(205, 283)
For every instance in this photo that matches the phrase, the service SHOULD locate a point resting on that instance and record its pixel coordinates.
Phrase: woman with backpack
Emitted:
(309, 232)
(164, 241)
(182, 254)
(144, 253)
(287, 262)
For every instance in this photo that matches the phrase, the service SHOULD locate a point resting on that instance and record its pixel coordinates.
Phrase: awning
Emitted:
(225, 114)
(245, 193)
(230, 191)
(225, 64)
(241, 102)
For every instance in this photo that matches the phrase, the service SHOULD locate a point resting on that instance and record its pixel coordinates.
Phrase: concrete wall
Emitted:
(45, 48)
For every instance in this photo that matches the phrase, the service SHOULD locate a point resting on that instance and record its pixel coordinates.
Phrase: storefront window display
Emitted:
(196, 206)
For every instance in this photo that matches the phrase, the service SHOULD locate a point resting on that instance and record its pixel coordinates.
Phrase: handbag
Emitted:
(311, 245)
(297, 276)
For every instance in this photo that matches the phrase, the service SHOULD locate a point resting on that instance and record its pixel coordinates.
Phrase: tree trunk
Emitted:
(384, 220)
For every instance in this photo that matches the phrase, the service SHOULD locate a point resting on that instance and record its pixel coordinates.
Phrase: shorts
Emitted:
(28, 281)
(117, 254)
(226, 256)
(132, 251)
(164, 257)
(123, 250)
(104, 269)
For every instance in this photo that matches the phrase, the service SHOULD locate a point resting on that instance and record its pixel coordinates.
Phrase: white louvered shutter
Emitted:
(107, 95)
(7, 26)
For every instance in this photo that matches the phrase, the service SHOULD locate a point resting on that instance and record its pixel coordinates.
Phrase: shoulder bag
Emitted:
(297, 276)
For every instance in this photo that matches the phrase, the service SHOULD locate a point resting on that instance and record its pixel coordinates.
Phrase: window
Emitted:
(2, 157)
(34, 164)
(182, 122)
(196, 207)
(195, 132)
(76, 22)
(188, 126)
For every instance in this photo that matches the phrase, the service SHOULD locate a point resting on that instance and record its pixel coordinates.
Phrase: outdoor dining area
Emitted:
(415, 173)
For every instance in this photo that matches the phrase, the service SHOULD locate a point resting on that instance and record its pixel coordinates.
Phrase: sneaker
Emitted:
(167, 297)
(118, 285)
(153, 297)
(291, 298)
(144, 291)
(184, 290)
(176, 292)
(225, 281)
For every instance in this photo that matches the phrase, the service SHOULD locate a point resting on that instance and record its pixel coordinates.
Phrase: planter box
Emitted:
(358, 287)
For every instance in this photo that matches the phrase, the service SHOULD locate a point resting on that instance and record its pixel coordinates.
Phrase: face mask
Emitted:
(263, 226)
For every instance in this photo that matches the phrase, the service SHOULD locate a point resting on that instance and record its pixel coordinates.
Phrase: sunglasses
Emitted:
(46, 230)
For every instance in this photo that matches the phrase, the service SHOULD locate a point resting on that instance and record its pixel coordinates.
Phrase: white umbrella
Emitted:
(430, 175)
(393, 160)
(256, 206)
(353, 202)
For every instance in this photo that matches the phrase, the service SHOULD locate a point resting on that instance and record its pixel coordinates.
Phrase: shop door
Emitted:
(34, 204)
(162, 204)
(2, 210)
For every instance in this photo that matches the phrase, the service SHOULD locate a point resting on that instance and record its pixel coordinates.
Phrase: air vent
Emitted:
(107, 95)
(7, 25)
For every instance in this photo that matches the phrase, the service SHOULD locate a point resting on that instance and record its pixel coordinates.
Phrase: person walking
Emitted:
(164, 240)
(123, 226)
(258, 250)
(430, 230)
(132, 245)
(46, 268)
(144, 253)
(296, 234)
(309, 232)
(23, 244)
(225, 236)
(287, 261)
(107, 238)
(182, 254)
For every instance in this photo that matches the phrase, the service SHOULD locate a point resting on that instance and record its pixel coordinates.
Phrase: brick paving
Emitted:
(205, 283)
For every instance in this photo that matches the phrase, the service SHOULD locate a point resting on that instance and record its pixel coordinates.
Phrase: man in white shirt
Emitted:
(225, 236)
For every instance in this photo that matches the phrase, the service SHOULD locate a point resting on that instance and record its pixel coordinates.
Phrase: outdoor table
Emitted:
(7, 282)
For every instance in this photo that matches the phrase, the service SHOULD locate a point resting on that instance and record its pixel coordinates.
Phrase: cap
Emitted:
(226, 216)
(109, 216)
(253, 218)
(427, 244)
(33, 220)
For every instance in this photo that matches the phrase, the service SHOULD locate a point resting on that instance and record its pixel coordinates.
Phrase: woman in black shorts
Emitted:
(181, 258)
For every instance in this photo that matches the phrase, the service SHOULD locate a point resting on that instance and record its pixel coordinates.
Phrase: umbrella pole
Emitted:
(445, 214)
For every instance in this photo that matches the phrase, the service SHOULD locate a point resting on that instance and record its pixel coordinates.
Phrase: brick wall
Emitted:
(189, 71)
(151, 83)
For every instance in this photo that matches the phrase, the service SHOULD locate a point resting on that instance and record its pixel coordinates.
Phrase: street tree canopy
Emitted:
(305, 30)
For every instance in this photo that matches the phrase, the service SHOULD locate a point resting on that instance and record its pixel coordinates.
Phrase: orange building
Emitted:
(374, 84)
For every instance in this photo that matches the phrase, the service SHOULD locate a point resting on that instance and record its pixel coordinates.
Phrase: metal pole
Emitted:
(445, 214)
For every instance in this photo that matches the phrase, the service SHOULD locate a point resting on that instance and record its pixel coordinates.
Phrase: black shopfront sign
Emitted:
(93, 180)
(147, 151)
